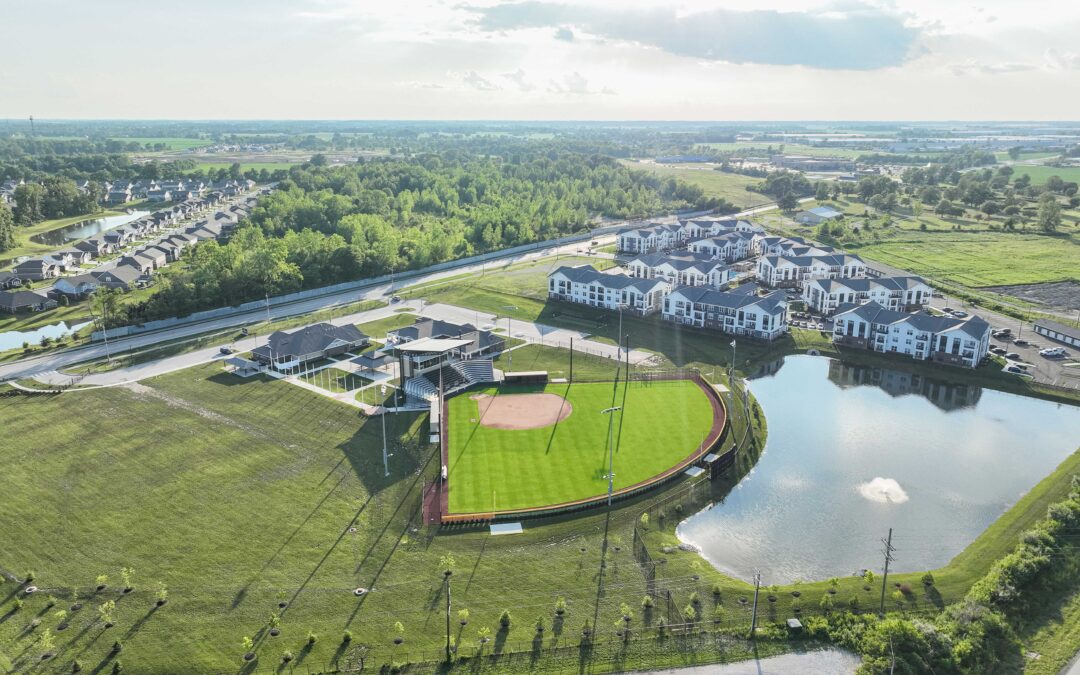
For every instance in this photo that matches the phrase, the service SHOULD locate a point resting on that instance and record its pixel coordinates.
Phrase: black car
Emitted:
(1012, 355)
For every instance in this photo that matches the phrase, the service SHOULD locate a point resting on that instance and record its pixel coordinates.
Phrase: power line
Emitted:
(888, 552)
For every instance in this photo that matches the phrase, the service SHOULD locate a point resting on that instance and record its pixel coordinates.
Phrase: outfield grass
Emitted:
(660, 424)
(730, 186)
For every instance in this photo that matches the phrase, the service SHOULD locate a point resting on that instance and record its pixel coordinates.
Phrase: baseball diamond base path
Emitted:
(521, 411)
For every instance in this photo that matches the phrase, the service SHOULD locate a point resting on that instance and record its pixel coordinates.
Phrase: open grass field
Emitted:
(245, 166)
(730, 186)
(171, 143)
(661, 424)
(23, 245)
(1039, 174)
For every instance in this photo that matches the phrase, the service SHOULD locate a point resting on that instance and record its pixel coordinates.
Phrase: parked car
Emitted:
(1015, 369)
(396, 299)
(1053, 352)
(1000, 351)
(1013, 356)
(1020, 342)
(947, 310)
(959, 315)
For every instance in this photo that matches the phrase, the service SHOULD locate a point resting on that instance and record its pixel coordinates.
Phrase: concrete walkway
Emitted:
(821, 662)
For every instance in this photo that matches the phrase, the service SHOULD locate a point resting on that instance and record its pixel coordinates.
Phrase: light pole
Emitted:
(385, 462)
(610, 412)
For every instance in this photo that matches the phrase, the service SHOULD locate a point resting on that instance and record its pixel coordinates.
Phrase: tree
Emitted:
(821, 193)
(1049, 213)
(105, 610)
(7, 228)
(28, 204)
(787, 201)
(1014, 152)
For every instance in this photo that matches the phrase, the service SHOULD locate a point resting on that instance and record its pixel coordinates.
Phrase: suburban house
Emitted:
(1059, 332)
(122, 277)
(650, 239)
(77, 255)
(817, 215)
(159, 195)
(25, 301)
(943, 339)
(778, 270)
(168, 248)
(118, 194)
(155, 256)
(95, 247)
(9, 280)
(730, 247)
(690, 269)
(903, 294)
(119, 236)
(587, 286)
(289, 350)
(738, 313)
(144, 265)
(78, 286)
(36, 269)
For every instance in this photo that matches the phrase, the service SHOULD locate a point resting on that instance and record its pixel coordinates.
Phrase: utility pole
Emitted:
(446, 576)
(888, 552)
(385, 462)
(753, 616)
(610, 412)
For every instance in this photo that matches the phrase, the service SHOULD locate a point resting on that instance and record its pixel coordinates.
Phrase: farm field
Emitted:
(730, 186)
(789, 149)
(661, 424)
(245, 166)
(1039, 174)
(171, 143)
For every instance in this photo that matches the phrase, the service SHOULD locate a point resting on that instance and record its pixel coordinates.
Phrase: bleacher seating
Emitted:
(455, 376)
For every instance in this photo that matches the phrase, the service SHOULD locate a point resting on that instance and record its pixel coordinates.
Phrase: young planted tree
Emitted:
(162, 594)
(102, 581)
(126, 575)
(560, 606)
(399, 632)
(463, 616)
(107, 610)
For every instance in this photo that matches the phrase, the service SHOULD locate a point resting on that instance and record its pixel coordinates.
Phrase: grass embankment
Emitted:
(380, 327)
(660, 424)
(242, 494)
(729, 186)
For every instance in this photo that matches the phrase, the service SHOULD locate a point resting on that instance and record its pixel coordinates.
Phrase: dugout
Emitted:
(526, 377)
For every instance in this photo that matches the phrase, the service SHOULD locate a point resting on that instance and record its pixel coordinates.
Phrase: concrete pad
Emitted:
(505, 528)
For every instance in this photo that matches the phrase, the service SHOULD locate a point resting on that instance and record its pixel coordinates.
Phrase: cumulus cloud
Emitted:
(518, 79)
(564, 34)
(577, 84)
(474, 80)
(851, 36)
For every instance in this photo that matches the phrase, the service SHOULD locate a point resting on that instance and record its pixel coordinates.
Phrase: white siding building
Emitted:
(761, 317)
(586, 286)
(690, 269)
(776, 271)
(895, 293)
(959, 342)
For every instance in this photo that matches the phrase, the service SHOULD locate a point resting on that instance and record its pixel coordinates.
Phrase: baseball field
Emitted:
(523, 446)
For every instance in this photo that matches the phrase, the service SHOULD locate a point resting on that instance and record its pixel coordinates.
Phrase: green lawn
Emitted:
(246, 166)
(379, 327)
(660, 424)
(730, 186)
(1040, 173)
(171, 143)
(335, 380)
(23, 245)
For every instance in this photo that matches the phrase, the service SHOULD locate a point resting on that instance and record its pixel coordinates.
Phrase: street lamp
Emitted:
(611, 449)
(385, 462)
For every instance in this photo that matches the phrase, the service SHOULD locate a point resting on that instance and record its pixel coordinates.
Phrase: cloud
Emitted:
(474, 80)
(1059, 60)
(564, 34)
(972, 66)
(849, 36)
(518, 79)
(575, 84)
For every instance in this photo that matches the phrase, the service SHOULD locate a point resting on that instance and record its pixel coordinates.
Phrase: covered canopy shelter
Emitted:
(238, 365)
(417, 357)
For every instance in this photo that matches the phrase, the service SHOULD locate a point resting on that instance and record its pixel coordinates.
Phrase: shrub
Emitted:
(691, 613)
(102, 580)
(117, 667)
(560, 606)
(312, 638)
(716, 590)
(504, 619)
(928, 579)
(28, 576)
(286, 656)
(116, 647)
(694, 599)
(646, 602)
(644, 519)
(463, 615)
(346, 636)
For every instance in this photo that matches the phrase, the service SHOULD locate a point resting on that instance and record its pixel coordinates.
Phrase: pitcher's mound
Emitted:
(522, 411)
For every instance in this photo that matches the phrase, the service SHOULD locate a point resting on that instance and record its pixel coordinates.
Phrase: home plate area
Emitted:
(521, 411)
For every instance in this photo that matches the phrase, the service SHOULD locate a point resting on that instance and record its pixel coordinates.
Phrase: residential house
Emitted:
(36, 269)
(9, 280)
(157, 257)
(587, 286)
(119, 237)
(95, 247)
(143, 264)
(78, 286)
(159, 195)
(76, 255)
(122, 277)
(118, 194)
(289, 350)
(171, 250)
(943, 339)
(817, 215)
(903, 294)
(735, 313)
(25, 301)
(785, 271)
(691, 269)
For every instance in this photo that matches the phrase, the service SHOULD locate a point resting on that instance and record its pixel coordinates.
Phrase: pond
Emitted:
(853, 451)
(14, 339)
(85, 228)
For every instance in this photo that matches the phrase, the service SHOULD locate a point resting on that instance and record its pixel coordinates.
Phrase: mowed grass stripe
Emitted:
(497, 469)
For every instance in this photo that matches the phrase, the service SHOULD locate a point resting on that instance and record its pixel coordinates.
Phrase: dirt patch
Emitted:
(522, 411)
(1058, 295)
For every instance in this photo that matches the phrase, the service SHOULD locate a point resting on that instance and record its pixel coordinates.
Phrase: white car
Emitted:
(1053, 352)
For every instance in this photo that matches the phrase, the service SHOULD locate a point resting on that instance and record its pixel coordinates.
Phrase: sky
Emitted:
(541, 59)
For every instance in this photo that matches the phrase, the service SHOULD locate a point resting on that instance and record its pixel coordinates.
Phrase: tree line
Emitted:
(330, 224)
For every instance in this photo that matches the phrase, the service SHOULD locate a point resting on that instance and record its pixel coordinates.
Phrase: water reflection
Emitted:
(85, 228)
(853, 451)
(15, 338)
